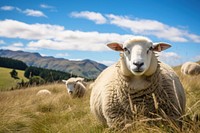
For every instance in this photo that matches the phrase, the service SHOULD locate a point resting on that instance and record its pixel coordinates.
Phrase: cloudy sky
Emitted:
(81, 29)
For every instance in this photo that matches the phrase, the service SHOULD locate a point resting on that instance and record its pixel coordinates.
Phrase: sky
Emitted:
(78, 30)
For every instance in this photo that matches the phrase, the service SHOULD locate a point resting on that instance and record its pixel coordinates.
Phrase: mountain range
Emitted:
(85, 68)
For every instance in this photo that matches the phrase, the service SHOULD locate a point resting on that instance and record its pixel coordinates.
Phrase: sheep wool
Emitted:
(190, 68)
(75, 87)
(117, 95)
(43, 92)
(79, 90)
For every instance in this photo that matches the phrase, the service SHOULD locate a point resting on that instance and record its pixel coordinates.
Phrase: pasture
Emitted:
(22, 111)
(6, 81)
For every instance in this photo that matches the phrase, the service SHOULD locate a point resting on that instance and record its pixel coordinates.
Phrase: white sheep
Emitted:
(190, 68)
(43, 92)
(75, 87)
(137, 82)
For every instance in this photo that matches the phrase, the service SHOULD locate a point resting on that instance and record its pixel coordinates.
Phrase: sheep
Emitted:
(138, 82)
(190, 68)
(75, 87)
(43, 92)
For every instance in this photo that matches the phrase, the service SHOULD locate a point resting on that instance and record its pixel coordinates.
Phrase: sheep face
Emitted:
(70, 88)
(71, 83)
(137, 56)
(138, 53)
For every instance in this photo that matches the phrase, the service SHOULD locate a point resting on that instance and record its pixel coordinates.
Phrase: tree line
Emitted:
(12, 63)
(46, 74)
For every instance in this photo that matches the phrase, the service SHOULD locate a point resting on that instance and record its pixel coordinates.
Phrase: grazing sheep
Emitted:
(75, 87)
(43, 92)
(138, 82)
(190, 68)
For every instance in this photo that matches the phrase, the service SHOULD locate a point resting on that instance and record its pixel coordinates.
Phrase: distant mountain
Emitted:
(86, 68)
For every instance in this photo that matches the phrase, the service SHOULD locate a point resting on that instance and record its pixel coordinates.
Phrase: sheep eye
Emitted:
(151, 48)
(126, 50)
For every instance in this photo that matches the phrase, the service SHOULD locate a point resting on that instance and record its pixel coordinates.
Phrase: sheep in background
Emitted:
(43, 92)
(190, 68)
(138, 82)
(75, 87)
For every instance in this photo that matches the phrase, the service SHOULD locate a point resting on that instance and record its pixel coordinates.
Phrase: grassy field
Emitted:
(22, 112)
(6, 81)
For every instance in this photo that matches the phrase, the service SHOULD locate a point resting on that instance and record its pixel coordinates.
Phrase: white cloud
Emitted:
(165, 55)
(28, 31)
(153, 27)
(62, 55)
(141, 26)
(46, 6)
(7, 8)
(34, 13)
(28, 12)
(50, 8)
(196, 58)
(2, 42)
(56, 37)
(14, 46)
(98, 18)
(194, 37)
(75, 59)
(107, 62)
(18, 44)
(170, 58)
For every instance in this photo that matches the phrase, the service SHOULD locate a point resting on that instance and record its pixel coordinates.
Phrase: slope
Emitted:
(6, 81)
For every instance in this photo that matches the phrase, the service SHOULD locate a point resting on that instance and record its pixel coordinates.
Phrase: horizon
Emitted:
(81, 31)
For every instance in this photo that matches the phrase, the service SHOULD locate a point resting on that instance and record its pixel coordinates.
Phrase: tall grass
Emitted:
(24, 112)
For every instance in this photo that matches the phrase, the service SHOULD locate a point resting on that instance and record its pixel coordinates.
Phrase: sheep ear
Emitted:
(64, 81)
(115, 46)
(79, 79)
(158, 47)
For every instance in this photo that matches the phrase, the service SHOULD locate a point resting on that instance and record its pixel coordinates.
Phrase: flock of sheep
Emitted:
(137, 83)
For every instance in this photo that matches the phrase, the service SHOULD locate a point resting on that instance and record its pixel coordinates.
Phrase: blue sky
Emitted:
(79, 30)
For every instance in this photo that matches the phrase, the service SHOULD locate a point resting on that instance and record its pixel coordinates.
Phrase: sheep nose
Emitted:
(138, 64)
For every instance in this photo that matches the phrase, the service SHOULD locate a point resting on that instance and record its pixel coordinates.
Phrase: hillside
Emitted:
(86, 68)
(22, 111)
(6, 81)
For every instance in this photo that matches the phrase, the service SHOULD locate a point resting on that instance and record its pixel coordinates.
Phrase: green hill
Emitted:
(6, 81)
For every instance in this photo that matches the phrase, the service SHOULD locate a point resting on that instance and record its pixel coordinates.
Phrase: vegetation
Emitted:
(22, 111)
(7, 82)
(14, 74)
(36, 80)
(12, 63)
(46, 74)
(37, 76)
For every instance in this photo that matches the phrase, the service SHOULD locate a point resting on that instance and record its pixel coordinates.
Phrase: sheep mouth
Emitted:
(70, 92)
(138, 70)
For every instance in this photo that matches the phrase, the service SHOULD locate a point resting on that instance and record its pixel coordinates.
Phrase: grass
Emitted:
(6, 81)
(21, 111)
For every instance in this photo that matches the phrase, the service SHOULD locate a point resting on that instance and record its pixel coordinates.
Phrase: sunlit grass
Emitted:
(6, 81)
(22, 111)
